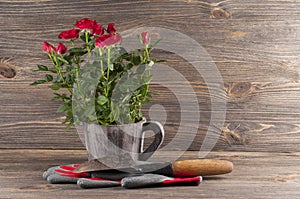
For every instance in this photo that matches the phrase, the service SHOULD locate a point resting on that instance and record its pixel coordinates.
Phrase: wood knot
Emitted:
(219, 13)
(6, 69)
(239, 89)
(232, 136)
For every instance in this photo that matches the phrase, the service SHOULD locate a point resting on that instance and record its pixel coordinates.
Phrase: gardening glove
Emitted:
(64, 175)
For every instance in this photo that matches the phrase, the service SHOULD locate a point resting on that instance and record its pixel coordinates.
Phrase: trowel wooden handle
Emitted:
(201, 167)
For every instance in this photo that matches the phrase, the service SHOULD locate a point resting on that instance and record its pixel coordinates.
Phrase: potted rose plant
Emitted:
(100, 83)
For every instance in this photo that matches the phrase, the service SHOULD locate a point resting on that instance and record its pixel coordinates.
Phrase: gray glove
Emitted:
(64, 175)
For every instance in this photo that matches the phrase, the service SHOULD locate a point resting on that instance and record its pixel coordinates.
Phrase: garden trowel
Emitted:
(180, 168)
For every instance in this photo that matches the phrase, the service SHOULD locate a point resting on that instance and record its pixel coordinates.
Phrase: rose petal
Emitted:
(111, 28)
(69, 34)
(61, 48)
(85, 23)
(48, 47)
(145, 39)
(107, 40)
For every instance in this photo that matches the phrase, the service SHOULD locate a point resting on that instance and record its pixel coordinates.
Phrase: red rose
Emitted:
(61, 48)
(107, 40)
(48, 48)
(69, 34)
(97, 30)
(145, 38)
(111, 28)
(100, 41)
(85, 23)
(116, 39)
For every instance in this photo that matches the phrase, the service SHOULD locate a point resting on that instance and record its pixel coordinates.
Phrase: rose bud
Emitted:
(145, 38)
(111, 28)
(48, 48)
(61, 48)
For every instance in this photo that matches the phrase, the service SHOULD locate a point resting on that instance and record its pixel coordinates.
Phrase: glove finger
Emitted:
(143, 181)
(86, 183)
(148, 180)
(56, 169)
(49, 172)
(59, 179)
(72, 174)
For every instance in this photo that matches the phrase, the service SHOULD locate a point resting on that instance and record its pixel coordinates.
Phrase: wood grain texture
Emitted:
(255, 175)
(255, 45)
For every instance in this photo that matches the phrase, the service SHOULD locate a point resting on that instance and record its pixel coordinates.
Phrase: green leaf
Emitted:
(122, 51)
(136, 60)
(69, 126)
(141, 68)
(77, 51)
(42, 68)
(101, 100)
(90, 110)
(92, 119)
(59, 96)
(55, 86)
(82, 37)
(53, 70)
(91, 42)
(38, 82)
(56, 97)
(63, 107)
(129, 66)
(62, 60)
(48, 78)
(115, 112)
(152, 46)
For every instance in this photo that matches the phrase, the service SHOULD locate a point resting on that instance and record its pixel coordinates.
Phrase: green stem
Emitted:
(76, 76)
(57, 66)
(147, 57)
(72, 43)
(87, 45)
(108, 58)
(77, 61)
(108, 69)
(101, 62)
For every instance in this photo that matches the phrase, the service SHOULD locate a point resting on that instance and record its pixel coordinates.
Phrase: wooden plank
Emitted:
(255, 175)
(250, 125)
(255, 45)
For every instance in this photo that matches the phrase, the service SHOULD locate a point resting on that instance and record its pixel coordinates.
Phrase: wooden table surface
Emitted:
(256, 175)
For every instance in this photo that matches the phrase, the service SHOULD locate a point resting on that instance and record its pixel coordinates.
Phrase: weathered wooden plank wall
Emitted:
(255, 45)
